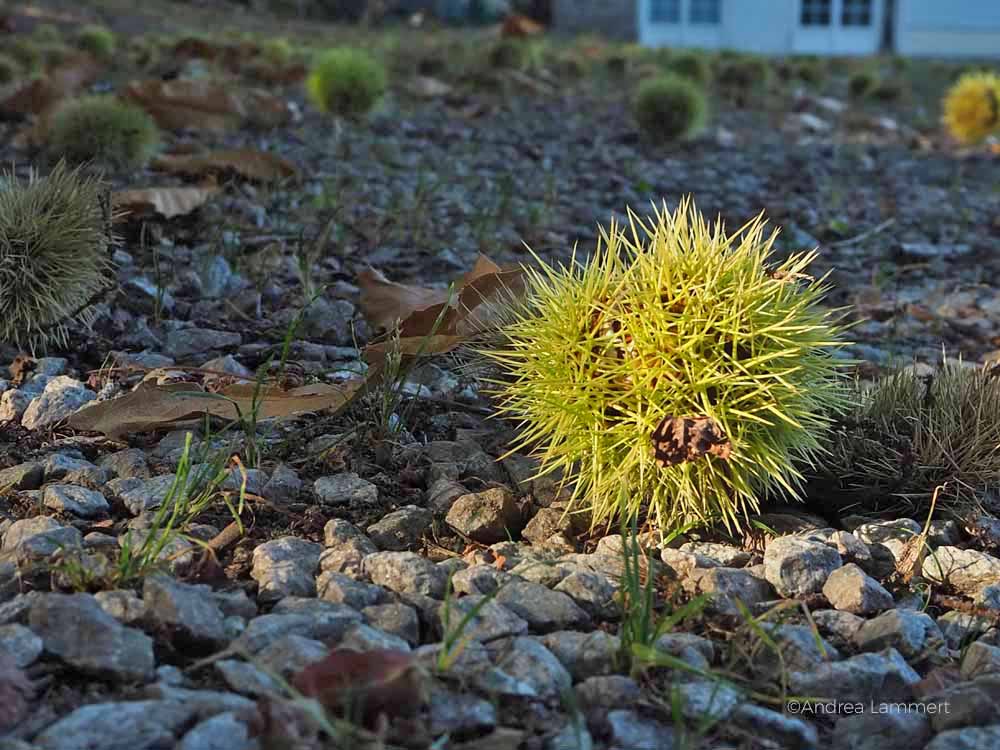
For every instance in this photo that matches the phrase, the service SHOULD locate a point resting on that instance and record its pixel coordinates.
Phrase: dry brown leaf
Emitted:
(165, 201)
(41, 94)
(680, 439)
(206, 105)
(418, 308)
(150, 406)
(517, 25)
(364, 684)
(253, 165)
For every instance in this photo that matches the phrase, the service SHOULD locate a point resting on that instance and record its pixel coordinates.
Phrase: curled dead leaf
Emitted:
(42, 94)
(680, 439)
(252, 165)
(364, 684)
(151, 406)
(206, 105)
(165, 201)
(517, 25)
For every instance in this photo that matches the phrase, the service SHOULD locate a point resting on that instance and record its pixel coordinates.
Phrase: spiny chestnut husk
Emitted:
(678, 376)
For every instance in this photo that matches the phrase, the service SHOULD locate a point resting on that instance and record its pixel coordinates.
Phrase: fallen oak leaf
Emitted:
(42, 94)
(165, 201)
(250, 164)
(364, 684)
(206, 105)
(150, 406)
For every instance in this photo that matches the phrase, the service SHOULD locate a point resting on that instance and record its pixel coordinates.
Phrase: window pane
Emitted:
(705, 11)
(815, 12)
(665, 11)
(856, 13)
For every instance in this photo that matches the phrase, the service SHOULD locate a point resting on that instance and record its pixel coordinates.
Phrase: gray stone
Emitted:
(881, 730)
(406, 573)
(631, 731)
(980, 658)
(491, 620)
(39, 537)
(148, 495)
(961, 628)
(441, 494)
(60, 467)
(25, 476)
(77, 501)
(775, 728)
(970, 738)
(908, 632)
(337, 587)
(247, 679)
(21, 644)
(593, 592)
(966, 570)
(486, 517)
(724, 555)
(191, 610)
(459, 713)
(797, 567)
(800, 649)
(186, 342)
(133, 725)
(122, 604)
(13, 404)
(330, 623)
(692, 649)
(584, 654)
(291, 654)
(702, 699)
(346, 488)
(364, 638)
(604, 692)
(285, 567)
(573, 736)
(852, 590)
(225, 731)
(840, 625)
(724, 587)
(987, 597)
(527, 660)
(544, 610)
(204, 703)
(128, 463)
(882, 677)
(62, 397)
(284, 485)
(402, 529)
(76, 629)
(550, 528)
(398, 619)
(972, 703)
(477, 579)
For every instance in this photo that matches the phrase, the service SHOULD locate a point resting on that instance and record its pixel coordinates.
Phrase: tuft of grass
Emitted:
(97, 40)
(278, 51)
(607, 363)
(908, 435)
(346, 81)
(669, 108)
(55, 249)
(103, 129)
(25, 52)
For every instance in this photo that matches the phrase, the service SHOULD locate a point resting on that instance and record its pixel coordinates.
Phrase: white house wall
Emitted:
(948, 28)
(766, 27)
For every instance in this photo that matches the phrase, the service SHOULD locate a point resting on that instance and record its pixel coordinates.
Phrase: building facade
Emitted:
(943, 28)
